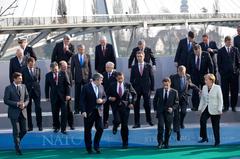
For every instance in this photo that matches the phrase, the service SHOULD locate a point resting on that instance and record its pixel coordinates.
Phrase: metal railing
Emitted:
(30, 21)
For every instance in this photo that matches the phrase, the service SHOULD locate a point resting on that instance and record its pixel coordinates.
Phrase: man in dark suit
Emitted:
(122, 97)
(211, 48)
(16, 63)
(91, 105)
(63, 50)
(147, 51)
(104, 52)
(228, 61)
(70, 119)
(81, 73)
(59, 84)
(28, 50)
(184, 50)
(16, 97)
(182, 83)
(142, 79)
(31, 78)
(164, 102)
(200, 63)
(109, 76)
(236, 39)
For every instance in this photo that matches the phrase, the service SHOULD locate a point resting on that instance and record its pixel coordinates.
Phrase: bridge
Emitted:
(79, 25)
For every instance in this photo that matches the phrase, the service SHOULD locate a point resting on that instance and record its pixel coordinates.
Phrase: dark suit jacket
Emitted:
(11, 97)
(158, 101)
(175, 84)
(206, 66)
(228, 63)
(62, 89)
(125, 100)
(81, 73)
(101, 60)
(236, 41)
(144, 82)
(32, 82)
(88, 98)
(59, 55)
(148, 56)
(108, 81)
(182, 54)
(28, 52)
(15, 66)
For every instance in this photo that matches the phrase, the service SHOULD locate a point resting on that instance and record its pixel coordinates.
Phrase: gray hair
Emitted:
(97, 76)
(103, 38)
(67, 36)
(53, 64)
(109, 63)
(81, 46)
(20, 49)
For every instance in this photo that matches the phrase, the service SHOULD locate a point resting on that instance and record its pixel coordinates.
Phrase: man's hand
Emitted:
(154, 68)
(112, 99)
(84, 114)
(68, 98)
(170, 110)
(130, 106)
(176, 64)
(210, 50)
(21, 105)
(99, 101)
(66, 47)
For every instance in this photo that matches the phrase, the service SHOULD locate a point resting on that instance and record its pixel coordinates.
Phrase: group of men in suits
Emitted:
(205, 57)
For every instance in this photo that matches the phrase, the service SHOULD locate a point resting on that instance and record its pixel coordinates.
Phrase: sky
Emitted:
(84, 7)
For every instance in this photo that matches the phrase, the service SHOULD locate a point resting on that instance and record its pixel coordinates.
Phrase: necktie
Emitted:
(182, 83)
(81, 60)
(165, 98)
(189, 46)
(18, 90)
(31, 72)
(120, 90)
(64, 49)
(109, 75)
(141, 69)
(198, 63)
(103, 50)
(96, 90)
(228, 49)
(56, 77)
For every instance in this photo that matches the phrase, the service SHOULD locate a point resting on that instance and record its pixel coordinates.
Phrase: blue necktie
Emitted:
(81, 60)
(189, 46)
(182, 83)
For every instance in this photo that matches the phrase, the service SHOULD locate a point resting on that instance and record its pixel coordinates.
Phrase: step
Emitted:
(145, 136)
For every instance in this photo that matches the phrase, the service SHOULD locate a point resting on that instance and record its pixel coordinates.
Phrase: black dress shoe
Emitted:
(97, 150)
(150, 123)
(225, 110)
(234, 110)
(203, 140)
(136, 126)
(72, 128)
(216, 144)
(105, 125)
(178, 136)
(194, 109)
(18, 151)
(64, 132)
(114, 131)
(124, 146)
(182, 126)
(89, 151)
(56, 130)
(40, 128)
(30, 129)
(76, 112)
(166, 146)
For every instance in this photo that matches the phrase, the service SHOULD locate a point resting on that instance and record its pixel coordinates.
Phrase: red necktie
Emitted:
(141, 69)
(120, 90)
(55, 77)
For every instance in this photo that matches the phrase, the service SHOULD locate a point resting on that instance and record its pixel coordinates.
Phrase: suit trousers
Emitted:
(215, 119)
(78, 90)
(146, 105)
(19, 127)
(70, 118)
(230, 82)
(92, 118)
(179, 114)
(56, 106)
(120, 116)
(164, 118)
(36, 98)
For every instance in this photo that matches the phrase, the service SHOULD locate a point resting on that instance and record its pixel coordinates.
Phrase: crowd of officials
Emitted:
(94, 94)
